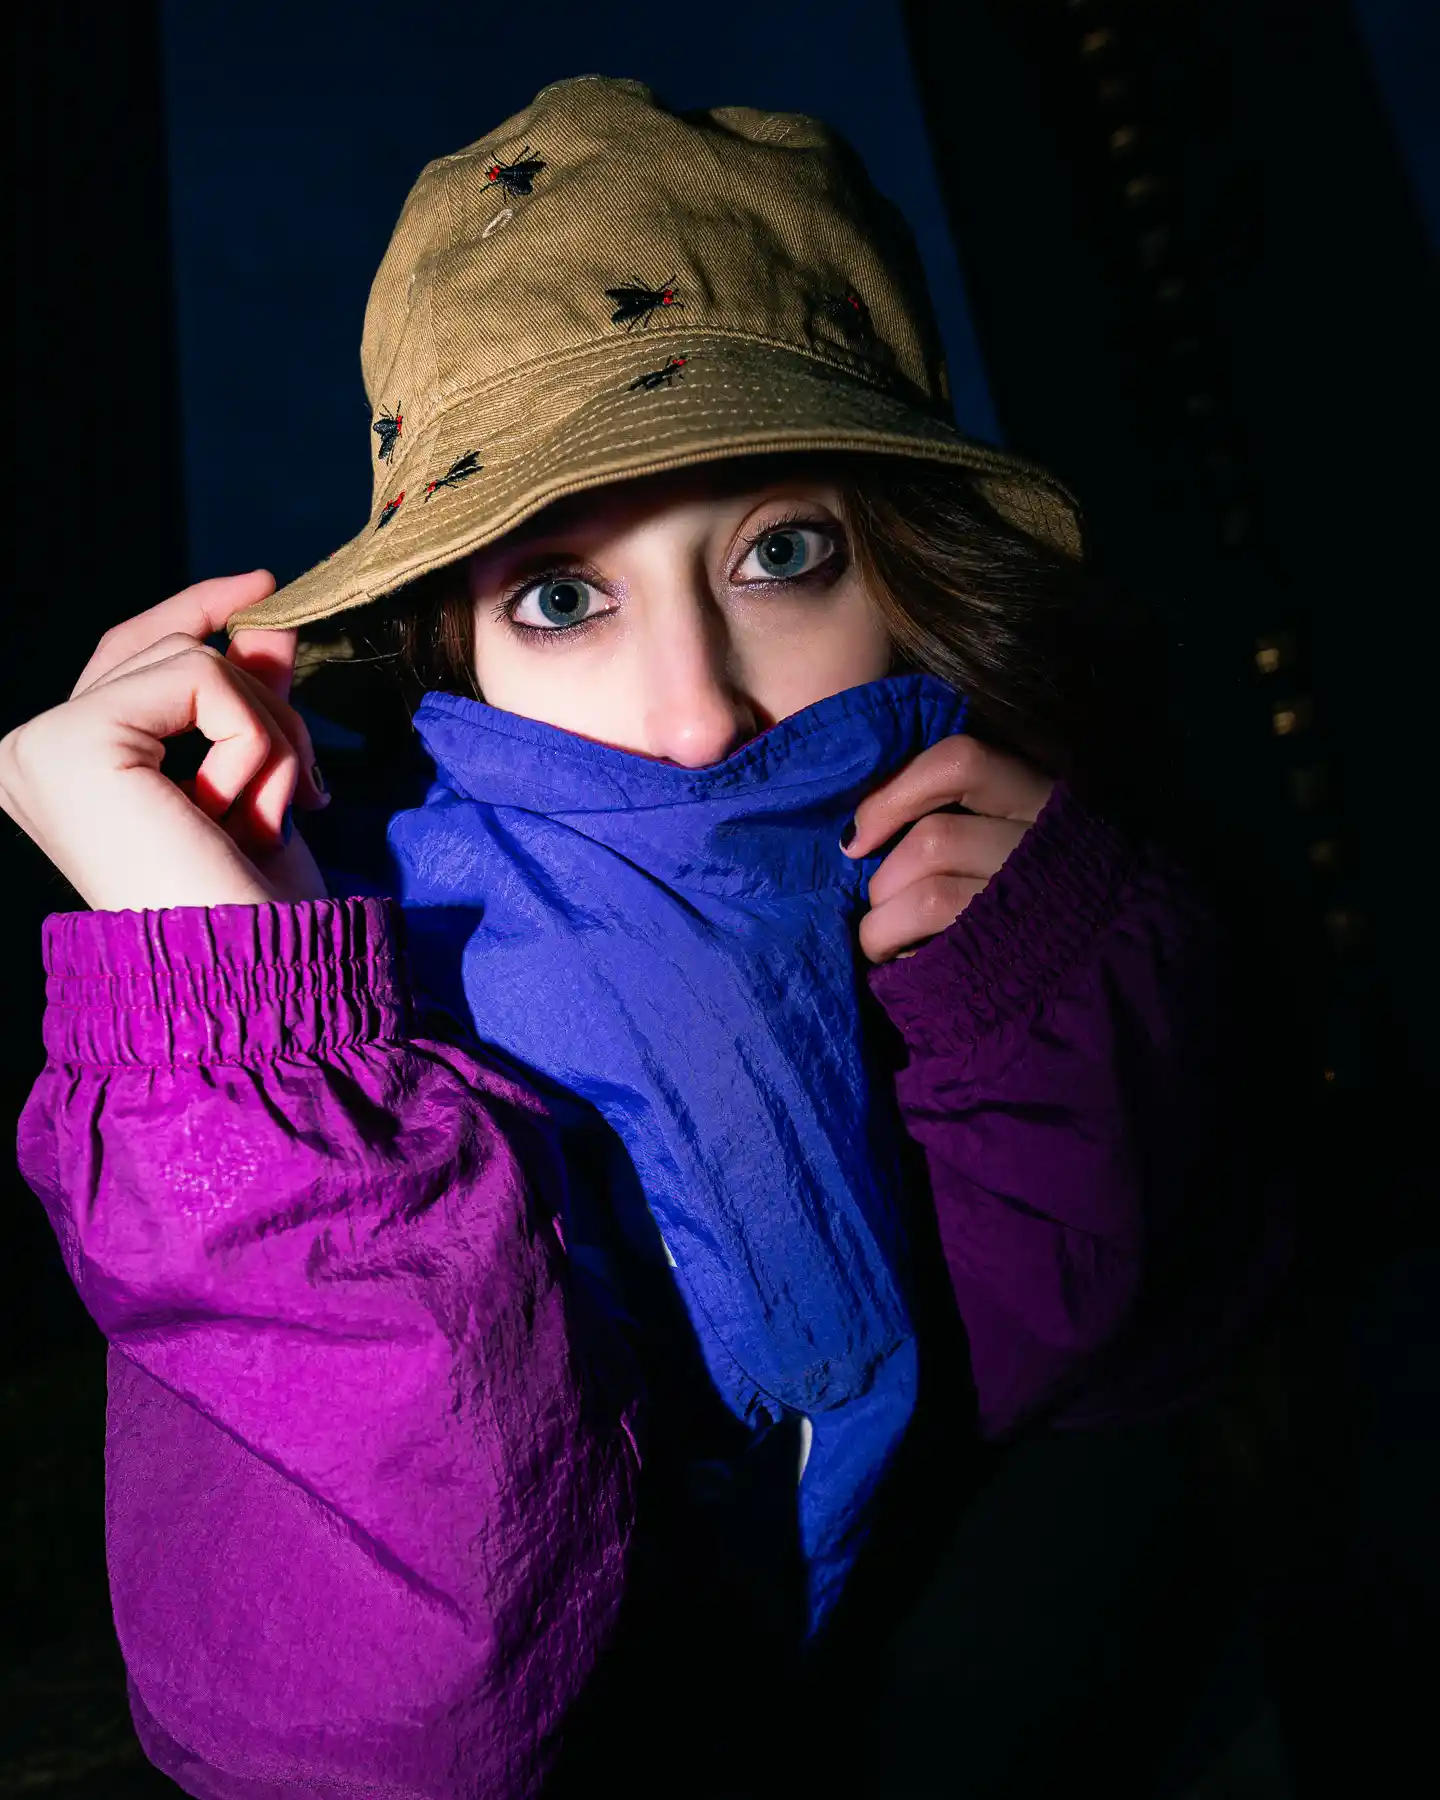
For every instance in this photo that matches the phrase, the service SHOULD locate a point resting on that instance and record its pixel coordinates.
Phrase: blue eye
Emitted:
(561, 602)
(787, 551)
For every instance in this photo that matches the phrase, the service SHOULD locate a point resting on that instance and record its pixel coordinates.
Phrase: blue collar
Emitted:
(675, 949)
(763, 821)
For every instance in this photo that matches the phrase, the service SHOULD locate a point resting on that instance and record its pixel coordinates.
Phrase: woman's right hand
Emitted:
(84, 779)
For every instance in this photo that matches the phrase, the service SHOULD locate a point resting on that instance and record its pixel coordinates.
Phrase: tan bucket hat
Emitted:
(603, 289)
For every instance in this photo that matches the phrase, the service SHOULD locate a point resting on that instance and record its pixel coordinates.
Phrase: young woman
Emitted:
(749, 1070)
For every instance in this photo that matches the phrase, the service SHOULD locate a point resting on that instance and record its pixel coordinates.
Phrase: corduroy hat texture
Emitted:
(602, 289)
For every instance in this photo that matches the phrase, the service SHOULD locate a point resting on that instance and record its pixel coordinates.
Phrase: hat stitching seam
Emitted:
(369, 554)
(596, 349)
(422, 458)
(365, 593)
(597, 429)
(585, 438)
(975, 456)
(621, 408)
(372, 552)
(765, 129)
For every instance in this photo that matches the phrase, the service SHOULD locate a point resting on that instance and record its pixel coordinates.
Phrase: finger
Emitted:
(945, 844)
(248, 777)
(307, 790)
(249, 801)
(918, 913)
(161, 694)
(267, 655)
(192, 690)
(287, 776)
(196, 612)
(174, 643)
(959, 770)
(283, 717)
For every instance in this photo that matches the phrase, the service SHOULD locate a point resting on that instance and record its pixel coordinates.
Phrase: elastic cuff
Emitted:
(221, 984)
(1038, 915)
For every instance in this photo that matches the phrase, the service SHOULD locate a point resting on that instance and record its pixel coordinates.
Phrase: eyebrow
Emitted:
(535, 558)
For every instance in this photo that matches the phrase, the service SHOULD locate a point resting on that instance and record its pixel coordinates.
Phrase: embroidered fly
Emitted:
(518, 177)
(673, 371)
(853, 316)
(388, 428)
(460, 470)
(634, 303)
(389, 510)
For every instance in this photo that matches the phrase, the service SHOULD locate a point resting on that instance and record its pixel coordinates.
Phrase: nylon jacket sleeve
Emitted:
(1061, 1071)
(368, 1500)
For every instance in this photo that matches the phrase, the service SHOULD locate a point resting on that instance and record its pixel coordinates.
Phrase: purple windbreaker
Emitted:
(371, 1467)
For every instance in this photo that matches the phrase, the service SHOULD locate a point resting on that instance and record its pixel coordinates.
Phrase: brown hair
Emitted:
(1059, 667)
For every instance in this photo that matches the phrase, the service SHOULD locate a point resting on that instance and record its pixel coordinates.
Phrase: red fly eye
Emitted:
(388, 511)
(460, 470)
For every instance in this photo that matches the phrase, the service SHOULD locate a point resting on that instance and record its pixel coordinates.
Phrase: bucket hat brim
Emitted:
(657, 400)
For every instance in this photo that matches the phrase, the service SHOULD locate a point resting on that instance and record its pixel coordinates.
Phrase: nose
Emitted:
(692, 711)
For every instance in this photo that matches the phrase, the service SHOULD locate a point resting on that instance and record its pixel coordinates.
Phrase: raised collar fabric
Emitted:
(676, 947)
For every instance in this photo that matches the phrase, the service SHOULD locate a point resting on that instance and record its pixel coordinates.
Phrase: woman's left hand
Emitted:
(945, 859)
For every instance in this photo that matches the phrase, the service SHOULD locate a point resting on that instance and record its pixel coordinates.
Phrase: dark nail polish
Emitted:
(287, 825)
(847, 836)
(318, 778)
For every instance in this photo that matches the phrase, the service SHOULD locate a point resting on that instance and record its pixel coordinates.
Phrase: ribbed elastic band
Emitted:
(221, 984)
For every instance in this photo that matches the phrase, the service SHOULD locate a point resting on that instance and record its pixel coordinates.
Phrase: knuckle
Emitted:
(12, 759)
(18, 748)
(935, 902)
(967, 755)
(31, 754)
(118, 636)
(282, 757)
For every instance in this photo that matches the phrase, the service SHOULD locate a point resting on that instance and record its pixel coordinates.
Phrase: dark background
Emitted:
(1182, 253)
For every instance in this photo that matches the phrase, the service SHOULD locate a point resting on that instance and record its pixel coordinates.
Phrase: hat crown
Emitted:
(602, 289)
(736, 222)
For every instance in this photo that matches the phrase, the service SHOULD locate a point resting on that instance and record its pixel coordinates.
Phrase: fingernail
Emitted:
(318, 778)
(847, 836)
(287, 825)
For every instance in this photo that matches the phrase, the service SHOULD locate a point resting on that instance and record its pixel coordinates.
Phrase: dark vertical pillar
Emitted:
(1199, 282)
(96, 535)
(97, 510)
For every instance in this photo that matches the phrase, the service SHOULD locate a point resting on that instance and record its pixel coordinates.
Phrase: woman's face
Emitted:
(676, 616)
